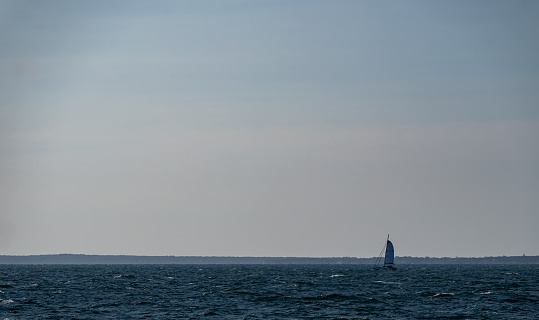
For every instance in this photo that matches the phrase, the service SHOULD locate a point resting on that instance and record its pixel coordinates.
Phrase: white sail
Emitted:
(390, 255)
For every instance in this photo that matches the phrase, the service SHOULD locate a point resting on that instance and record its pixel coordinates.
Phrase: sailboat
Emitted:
(389, 257)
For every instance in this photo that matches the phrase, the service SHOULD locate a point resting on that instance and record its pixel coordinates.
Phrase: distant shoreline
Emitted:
(131, 259)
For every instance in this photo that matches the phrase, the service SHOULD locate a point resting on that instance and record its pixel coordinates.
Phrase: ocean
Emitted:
(268, 292)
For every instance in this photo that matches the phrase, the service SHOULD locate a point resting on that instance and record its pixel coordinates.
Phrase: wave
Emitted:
(443, 295)
(387, 282)
(332, 296)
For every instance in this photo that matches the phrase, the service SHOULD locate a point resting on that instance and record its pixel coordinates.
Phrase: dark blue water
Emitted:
(268, 292)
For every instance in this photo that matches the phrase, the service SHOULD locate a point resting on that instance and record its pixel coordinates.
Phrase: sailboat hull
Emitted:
(385, 268)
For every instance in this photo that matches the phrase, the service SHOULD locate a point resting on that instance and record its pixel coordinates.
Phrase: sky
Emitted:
(269, 128)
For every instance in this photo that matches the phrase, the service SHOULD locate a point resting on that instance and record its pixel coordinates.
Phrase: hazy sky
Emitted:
(269, 128)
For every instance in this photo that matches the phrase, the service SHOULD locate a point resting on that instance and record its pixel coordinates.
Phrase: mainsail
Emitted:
(390, 255)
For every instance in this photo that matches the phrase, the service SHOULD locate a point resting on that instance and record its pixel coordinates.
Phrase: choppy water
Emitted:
(268, 292)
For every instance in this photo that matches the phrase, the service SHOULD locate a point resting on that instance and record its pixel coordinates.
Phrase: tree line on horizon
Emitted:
(131, 259)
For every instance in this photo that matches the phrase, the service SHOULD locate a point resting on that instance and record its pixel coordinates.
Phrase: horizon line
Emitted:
(291, 257)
